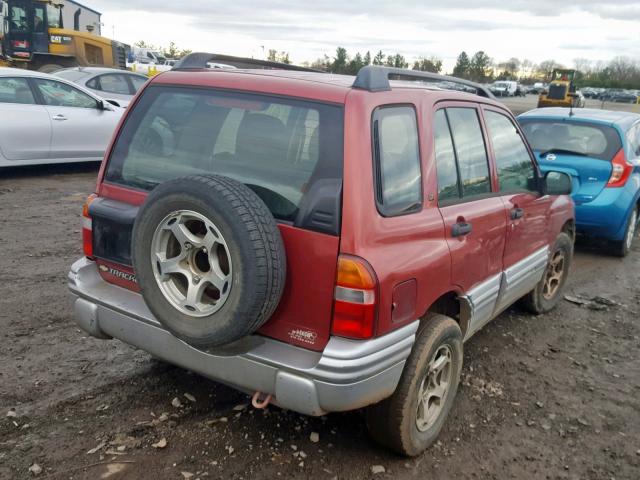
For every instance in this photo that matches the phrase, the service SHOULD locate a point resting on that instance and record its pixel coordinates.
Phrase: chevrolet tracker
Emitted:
(323, 242)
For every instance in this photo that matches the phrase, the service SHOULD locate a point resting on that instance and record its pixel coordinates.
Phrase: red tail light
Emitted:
(20, 44)
(87, 227)
(355, 302)
(621, 170)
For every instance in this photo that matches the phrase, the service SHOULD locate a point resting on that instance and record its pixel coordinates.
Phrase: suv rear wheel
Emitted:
(549, 290)
(410, 420)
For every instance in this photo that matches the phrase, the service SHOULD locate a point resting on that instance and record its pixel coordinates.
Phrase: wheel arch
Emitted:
(452, 304)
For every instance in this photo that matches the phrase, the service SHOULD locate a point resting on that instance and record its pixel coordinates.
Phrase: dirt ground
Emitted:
(552, 397)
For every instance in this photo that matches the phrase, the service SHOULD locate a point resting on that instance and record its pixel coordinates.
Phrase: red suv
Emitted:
(323, 242)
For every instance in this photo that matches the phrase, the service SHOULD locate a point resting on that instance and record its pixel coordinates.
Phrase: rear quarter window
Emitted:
(279, 147)
(397, 160)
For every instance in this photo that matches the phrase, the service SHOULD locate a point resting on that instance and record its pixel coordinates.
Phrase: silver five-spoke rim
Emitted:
(191, 263)
(632, 229)
(434, 387)
(553, 275)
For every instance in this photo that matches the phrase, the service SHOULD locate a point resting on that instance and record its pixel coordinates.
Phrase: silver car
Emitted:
(116, 86)
(46, 119)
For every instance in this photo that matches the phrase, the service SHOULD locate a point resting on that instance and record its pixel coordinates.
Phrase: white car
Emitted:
(46, 119)
(116, 86)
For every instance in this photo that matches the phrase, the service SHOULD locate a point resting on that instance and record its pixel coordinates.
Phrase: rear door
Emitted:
(473, 213)
(27, 136)
(80, 129)
(527, 210)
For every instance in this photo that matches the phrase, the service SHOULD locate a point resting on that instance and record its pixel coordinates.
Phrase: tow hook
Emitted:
(258, 403)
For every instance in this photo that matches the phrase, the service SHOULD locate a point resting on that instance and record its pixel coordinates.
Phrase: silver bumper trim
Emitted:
(348, 374)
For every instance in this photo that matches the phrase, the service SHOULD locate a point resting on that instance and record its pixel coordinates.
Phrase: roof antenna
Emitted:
(571, 106)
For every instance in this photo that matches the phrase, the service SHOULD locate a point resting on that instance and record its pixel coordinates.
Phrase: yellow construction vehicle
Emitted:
(33, 36)
(561, 91)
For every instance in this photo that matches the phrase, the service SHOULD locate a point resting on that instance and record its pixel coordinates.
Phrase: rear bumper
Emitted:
(347, 375)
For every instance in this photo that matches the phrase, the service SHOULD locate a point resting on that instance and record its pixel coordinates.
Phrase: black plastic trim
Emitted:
(374, 78)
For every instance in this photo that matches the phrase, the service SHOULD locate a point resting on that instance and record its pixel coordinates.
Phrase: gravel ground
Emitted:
(554, 396)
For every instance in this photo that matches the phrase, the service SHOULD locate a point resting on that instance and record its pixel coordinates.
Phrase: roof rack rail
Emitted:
(200, 60)
(376, 78)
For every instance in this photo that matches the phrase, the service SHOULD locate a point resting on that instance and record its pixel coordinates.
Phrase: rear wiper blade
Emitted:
(562, 150)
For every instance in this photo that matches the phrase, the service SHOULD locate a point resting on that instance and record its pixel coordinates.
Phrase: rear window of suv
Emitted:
(279, 147)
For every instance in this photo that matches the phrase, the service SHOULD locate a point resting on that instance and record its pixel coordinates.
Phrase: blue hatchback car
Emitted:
(600, 149)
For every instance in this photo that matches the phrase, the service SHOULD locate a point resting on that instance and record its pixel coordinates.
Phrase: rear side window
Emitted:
(112, 83)
(283, 149)
(634, 139)
(515, 169)
(471, 152)
(397, 161)
(137, 82)
(15, 90)
(567, 136)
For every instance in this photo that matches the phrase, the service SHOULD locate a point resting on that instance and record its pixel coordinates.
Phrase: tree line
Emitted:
(619, 72)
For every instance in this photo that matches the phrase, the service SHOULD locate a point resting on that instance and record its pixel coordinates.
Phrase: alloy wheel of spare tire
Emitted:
(209, 259)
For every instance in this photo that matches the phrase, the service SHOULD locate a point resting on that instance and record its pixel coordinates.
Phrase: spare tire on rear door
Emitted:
(209, 259)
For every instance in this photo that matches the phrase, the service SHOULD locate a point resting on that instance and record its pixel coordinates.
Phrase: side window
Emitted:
(60, 94)
(15, 90)
(470, 150)
(114, 83)
(397, 161)
(94, 83)
(38, 19)
(634, 139)
(515, 169)
(137, 81)
(448, 186)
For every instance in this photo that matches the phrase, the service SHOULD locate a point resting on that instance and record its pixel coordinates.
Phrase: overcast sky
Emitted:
(533, 29)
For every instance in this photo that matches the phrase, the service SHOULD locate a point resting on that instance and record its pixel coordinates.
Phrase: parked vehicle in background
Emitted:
(147, 55)
(506, 88)
(600, 149)
(624, 96)
(281, 232)
(116, 86)
(50, 120)
(33, 36)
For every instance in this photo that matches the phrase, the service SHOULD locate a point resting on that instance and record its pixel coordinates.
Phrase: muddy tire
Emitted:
(549, 290)
(410, 420)
(622, 247)
(209, 259)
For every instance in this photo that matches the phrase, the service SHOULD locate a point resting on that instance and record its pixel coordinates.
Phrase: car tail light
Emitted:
(621, 170)
(355, 302)
(20, 44)
(87, 227)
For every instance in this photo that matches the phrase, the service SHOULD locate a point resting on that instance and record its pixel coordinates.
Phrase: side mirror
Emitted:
(102, 105)
(557, 183)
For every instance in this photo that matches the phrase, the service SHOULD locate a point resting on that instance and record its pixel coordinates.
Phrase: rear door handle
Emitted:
(517, 213)
(59, 117)
(460, 229)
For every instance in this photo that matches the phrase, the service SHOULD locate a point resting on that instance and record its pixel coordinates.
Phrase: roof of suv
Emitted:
(307, 82)
(328, 86)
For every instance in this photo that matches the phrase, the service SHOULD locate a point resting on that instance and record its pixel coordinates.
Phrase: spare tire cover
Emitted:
(209, 259)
